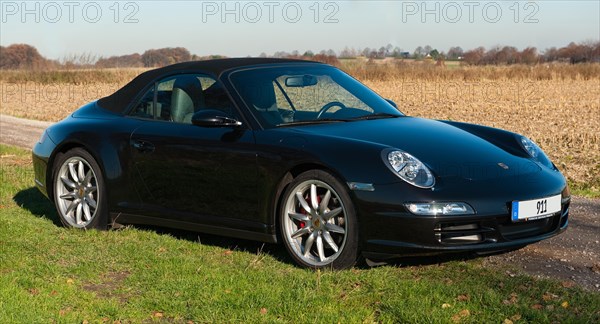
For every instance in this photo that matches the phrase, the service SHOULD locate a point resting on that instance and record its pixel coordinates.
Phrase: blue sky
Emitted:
(241, 28)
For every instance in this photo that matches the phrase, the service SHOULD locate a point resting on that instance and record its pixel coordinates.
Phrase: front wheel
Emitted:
(79, 190)
(318, 222)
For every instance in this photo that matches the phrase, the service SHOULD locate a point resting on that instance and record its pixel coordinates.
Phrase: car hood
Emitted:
(445, 148)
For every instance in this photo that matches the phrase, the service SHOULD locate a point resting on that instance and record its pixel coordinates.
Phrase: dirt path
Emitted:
(21, 132)
(573, 257)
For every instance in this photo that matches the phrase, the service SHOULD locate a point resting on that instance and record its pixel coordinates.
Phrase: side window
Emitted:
(216, 98)
(145, 107)
(164, 91)
(177, 98)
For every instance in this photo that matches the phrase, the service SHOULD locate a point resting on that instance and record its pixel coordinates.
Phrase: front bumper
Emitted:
(389, 230)
(40, 155)
(475, 234)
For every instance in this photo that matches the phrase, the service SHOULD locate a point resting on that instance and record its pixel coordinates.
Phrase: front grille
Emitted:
(515, 231)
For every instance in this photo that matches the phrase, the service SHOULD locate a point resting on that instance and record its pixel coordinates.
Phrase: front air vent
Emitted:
(456, 233)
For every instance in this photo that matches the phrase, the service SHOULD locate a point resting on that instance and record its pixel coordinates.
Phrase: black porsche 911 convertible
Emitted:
(296, 152)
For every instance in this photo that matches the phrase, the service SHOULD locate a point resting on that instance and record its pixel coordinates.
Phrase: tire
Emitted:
(80, 203)
(321, 235)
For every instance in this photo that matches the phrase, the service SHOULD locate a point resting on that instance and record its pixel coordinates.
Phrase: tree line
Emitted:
(588, 51)
(572, 53)
(23, 56)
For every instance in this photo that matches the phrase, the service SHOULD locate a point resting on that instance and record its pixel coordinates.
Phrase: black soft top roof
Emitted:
(118, 101)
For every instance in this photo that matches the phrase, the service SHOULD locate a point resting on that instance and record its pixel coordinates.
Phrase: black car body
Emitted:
(228, 167)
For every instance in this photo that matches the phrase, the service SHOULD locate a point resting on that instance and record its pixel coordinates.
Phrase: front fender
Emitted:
(110, 149)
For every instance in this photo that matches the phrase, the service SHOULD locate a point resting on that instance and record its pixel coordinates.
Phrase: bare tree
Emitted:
(366, 52)
(346, 53)
(550, 54)
(427, 49)
(165, 56)
(529, 56)
(388, 49)
(123, 61)
(475, 56)
(455, 52)
(22, 56)
(419, 52)
(507, 55)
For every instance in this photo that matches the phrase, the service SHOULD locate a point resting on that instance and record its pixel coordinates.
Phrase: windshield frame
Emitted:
(305, 68)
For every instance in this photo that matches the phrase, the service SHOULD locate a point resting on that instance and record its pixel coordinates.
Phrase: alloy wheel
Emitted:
(76, 192)
(315, 223)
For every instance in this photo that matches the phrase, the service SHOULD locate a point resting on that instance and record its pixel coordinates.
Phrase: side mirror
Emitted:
(391, 102)
(214, 118)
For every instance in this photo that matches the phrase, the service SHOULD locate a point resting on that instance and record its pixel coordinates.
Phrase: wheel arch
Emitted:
(62, 149)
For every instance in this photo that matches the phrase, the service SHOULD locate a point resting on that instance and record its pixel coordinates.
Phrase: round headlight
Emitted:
(409, 168)
(535, 152)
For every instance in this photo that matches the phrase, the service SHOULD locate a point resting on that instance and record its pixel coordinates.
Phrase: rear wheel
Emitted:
(79, 191)
(318, 222)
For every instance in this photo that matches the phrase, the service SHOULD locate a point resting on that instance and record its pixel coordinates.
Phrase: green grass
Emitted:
(584, 190)
(52, 274)
(590, 189)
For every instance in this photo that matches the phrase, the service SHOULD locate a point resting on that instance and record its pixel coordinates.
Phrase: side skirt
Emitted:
(123, 218)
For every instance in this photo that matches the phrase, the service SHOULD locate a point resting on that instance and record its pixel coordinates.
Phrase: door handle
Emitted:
(143, 146)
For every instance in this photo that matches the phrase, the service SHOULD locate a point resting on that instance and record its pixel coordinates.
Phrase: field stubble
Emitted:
(558, 107)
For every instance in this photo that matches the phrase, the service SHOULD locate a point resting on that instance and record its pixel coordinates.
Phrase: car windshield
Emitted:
(297, 95)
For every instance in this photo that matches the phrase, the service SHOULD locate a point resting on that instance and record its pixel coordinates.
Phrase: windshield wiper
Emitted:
(312, 122)
(334, 120)
(377, 116)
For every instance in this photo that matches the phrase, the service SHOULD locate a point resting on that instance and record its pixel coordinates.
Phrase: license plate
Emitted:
(535, 209)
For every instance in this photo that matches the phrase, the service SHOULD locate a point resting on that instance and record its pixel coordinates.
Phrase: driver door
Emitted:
(190, 173)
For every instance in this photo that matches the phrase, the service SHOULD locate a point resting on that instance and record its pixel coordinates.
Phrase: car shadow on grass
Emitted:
(429, 260)
(279, 252)
(275, 250)
(37, 204)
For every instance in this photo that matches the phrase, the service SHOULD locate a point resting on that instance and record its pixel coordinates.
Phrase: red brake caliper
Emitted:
(307, 198)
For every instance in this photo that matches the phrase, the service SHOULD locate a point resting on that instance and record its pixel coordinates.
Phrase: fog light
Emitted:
(441, 208)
